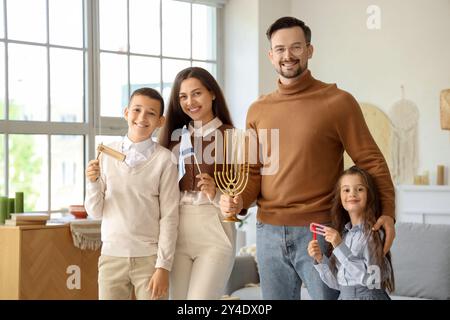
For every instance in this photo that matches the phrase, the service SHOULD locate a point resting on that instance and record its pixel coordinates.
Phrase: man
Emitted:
(316, 123)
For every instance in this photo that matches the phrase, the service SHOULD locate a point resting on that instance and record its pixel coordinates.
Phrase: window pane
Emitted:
(145, 72)
(144, 27)
(113, 84)
(67, 171)
(211, 67)
(176, 26)
(2, 29)
(2, 81)
(203, 32)
(106, 140)
(113, 25)
(66, 81)
(66, 29)
(28, 163)
(171, 67)
(2, 165)
(27, 82)
(27, 20)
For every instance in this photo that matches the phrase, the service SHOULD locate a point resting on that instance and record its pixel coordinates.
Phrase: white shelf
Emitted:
(423, 188)
(423, 203)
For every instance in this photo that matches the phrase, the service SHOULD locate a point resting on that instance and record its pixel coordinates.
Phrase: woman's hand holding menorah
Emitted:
(232, 177)
(231, 206)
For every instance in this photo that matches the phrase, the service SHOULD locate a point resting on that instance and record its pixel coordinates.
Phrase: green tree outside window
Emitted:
(26, 167)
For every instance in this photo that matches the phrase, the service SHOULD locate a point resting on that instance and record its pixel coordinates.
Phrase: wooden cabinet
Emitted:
(41, 262)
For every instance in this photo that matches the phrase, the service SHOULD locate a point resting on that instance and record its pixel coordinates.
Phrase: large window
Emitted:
(65, 79)
(146, 43)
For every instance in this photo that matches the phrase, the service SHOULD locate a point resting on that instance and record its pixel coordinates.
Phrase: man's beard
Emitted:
(292, 73)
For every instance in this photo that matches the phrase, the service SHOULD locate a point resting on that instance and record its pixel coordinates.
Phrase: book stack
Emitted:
(27, 219)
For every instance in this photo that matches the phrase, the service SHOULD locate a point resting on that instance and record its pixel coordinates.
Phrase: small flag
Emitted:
(186, 150)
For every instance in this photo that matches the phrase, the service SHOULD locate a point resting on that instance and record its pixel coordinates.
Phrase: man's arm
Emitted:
(388, 224)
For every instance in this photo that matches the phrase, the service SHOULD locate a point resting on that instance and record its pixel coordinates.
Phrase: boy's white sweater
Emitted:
(138, 206)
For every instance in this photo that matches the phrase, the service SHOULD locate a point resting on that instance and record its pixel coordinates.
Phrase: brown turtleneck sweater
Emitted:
(316, 123)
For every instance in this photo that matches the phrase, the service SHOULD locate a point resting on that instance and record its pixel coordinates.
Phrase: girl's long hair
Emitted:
(340, 217)
(176, 118)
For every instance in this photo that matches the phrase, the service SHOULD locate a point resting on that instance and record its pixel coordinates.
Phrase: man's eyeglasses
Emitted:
(296, 49)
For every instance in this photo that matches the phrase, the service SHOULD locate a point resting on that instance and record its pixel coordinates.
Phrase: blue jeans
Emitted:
(284, 263)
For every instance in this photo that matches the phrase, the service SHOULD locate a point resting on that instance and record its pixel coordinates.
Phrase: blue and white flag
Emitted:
(186, 150)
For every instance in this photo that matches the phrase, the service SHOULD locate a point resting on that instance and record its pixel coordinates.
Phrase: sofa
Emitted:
(420, 258)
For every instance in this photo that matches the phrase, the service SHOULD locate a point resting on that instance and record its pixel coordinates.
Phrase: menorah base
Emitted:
(231, 219)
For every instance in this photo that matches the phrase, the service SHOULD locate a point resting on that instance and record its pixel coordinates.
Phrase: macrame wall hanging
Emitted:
(404, 115)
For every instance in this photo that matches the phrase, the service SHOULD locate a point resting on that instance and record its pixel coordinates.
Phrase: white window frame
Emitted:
(92, 124)
(116, 125)
(48, 127)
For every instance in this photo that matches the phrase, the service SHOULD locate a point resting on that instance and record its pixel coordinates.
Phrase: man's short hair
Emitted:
(152, 94)
(289, 22)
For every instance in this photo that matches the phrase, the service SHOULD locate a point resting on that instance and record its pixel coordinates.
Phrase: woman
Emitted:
(205, 250)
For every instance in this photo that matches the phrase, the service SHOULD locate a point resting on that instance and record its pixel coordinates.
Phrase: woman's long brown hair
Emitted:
(340, 217)
(176, 118)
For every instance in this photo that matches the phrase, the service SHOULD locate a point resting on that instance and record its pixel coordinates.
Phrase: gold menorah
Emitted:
(233, 178)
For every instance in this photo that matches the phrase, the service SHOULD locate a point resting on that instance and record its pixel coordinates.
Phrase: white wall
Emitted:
(269, 11)
(247, 70)
(240, 57)
(411, 49)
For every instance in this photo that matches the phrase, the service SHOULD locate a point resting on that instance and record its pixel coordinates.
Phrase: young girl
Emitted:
(357, 266)
(205, 249)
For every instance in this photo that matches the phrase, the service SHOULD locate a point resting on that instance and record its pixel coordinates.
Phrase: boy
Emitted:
(138, 202)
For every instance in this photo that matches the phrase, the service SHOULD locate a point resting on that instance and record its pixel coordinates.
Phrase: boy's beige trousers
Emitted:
(118, 276)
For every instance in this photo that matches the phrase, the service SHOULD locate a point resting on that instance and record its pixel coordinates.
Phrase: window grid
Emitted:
(48, 127)
(92, 124)
(49, 115)
(110, 123)
(6, 97)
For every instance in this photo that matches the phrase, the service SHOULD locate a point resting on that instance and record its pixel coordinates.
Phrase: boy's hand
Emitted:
(231, 206)
(159, 284)
(332, 236)
(93, 170)
(207, 185)
(314, 250)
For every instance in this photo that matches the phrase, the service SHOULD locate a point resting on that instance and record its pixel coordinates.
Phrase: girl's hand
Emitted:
(207, 185)
(159, 284)
(93, 170)
(332, 236)
(314, 250)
